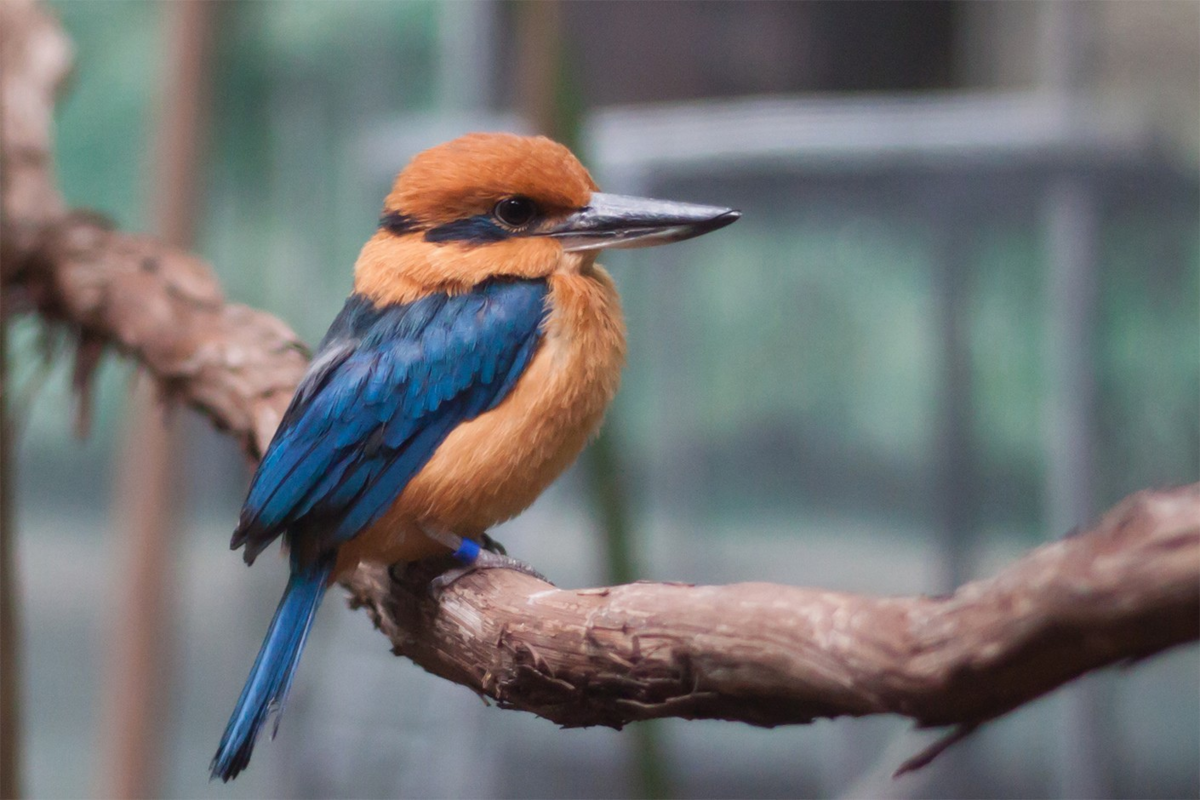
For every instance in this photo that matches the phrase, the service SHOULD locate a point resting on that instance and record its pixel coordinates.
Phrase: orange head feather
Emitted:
(496, 205)
(459, 182)
(469, 175)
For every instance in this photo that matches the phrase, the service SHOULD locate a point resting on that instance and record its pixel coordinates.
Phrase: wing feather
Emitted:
(385, 389)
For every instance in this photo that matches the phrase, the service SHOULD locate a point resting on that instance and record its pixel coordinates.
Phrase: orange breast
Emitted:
(491, 468)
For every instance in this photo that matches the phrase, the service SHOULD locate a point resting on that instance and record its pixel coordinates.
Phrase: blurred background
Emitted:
(961, 316)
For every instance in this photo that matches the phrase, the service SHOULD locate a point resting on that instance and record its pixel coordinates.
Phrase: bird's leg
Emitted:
(473, 557)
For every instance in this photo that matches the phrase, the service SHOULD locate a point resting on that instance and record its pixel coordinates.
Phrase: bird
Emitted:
(473, 360)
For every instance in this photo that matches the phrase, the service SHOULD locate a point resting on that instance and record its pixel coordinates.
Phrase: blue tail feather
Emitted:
(271, 676)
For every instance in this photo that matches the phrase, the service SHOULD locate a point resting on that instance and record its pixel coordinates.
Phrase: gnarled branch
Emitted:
(163, 307)
(771, 655)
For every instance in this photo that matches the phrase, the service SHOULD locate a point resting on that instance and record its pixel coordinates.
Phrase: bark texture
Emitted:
(771, 655)
(163, 307)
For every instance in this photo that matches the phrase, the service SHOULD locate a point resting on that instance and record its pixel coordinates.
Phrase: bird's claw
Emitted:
(487, 559)
(488, 543)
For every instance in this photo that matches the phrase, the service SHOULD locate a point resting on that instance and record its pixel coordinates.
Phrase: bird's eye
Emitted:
(516, 211)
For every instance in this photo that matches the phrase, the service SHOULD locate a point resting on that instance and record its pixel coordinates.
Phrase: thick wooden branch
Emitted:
(771, 655)
(163, 307)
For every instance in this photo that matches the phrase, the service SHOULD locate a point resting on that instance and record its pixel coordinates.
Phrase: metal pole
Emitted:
(957, 474)
(1071, 219)
(1072, 229)
(957, 458)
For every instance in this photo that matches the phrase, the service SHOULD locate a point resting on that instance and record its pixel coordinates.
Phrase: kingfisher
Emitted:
(469, 367)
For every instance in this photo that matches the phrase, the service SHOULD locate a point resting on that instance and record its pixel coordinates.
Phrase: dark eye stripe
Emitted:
(397, 223)
(480, 229)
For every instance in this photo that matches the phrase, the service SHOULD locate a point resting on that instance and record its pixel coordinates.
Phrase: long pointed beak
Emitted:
(617, 221)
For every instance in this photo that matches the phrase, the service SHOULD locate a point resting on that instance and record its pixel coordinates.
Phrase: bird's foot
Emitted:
(491, 544)
(473, 558)
(473, 555)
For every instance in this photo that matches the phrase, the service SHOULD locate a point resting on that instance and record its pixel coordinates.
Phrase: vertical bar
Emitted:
(1071, 233)
(957, 477)
(956, 468)
(10, 634)
(137, 680)
(135, 719)
(1072, 230)
(548, 104)
(466, 30)
(539, 44)
(1064, 31)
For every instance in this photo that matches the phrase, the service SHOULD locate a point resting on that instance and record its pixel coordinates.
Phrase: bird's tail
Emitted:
(271, 676)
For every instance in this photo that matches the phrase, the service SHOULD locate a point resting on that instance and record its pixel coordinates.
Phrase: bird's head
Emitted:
(489, 204)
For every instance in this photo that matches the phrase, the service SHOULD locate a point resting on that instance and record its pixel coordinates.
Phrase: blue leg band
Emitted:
(467, 552)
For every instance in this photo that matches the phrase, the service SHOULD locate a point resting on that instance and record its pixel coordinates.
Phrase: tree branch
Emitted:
(759, 653)
(772, 655)
(234, 364)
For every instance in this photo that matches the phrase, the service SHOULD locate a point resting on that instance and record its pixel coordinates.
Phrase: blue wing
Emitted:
(386, 387)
